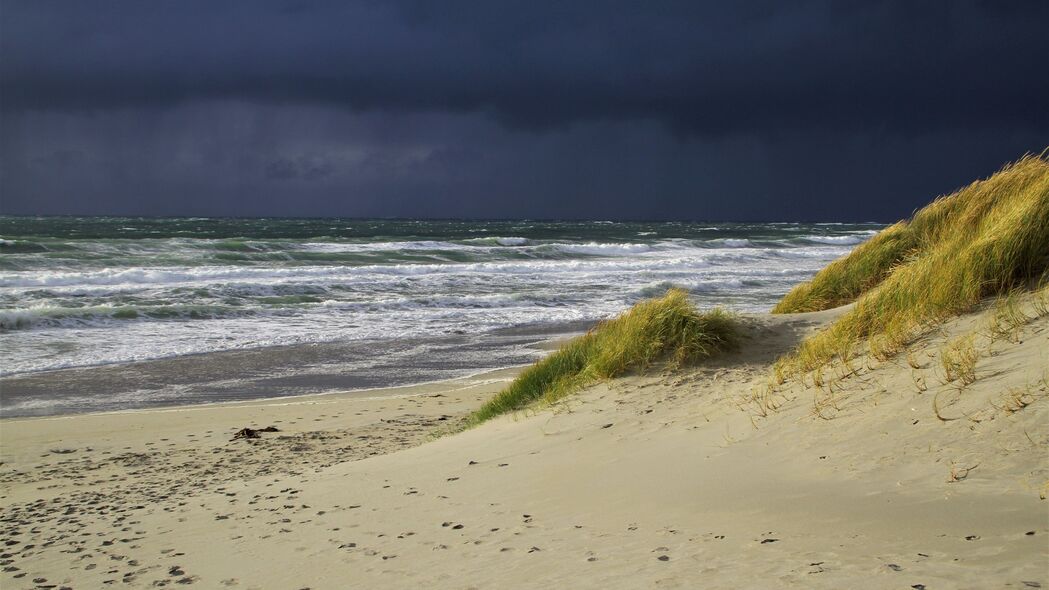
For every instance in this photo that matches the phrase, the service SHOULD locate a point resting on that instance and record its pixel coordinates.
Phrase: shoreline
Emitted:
(287, 400)
(566, 329)
(275, 372)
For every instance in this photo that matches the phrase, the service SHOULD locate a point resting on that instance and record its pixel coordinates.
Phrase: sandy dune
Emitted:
(672, 480)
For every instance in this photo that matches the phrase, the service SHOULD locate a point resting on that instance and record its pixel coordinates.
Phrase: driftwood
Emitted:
(253, 432)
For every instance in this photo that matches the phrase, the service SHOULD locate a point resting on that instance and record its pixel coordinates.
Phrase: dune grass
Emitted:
(667, 328)
(843, 280)
(987, 239)
(1018, 188)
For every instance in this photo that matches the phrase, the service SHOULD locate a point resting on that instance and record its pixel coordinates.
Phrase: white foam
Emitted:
(351, 247)
(599, 249)
(513, 241)
(339, 274)
(848, 240)
(712, 285)
(17, 319)
(733, 242)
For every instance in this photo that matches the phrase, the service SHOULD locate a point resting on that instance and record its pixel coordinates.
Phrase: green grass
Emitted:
(667, 328)
(987, 239)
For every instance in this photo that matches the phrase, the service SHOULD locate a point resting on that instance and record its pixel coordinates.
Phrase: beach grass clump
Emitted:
(958, 359)
(1016, 190)
(669, 328)
(843, 280)
(987, 239)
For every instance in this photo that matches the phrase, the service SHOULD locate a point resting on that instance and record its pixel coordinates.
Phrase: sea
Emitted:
(118, 313)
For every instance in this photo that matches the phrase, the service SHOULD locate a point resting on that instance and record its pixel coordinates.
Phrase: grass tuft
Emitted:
(987, 239)
(958, 359)
(1008, 319)
(669, 328)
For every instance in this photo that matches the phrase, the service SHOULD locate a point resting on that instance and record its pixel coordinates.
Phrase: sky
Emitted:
(715, 111)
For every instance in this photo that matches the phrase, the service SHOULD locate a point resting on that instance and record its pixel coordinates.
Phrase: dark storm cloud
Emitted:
(699, 67)
(757, 110)
(302, 167)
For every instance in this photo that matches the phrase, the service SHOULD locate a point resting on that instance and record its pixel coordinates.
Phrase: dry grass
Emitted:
(919, 381)
(1008, 320)
(912, 361)
(987, 239)
(958, 473)
(1018, 398)
(1040, 300)
(669, 328)
(958, 360)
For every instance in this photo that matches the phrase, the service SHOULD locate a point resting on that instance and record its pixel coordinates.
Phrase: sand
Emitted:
(673, 480)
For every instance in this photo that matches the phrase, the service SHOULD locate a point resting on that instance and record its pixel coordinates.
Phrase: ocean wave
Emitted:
(848, 240)
(710, 285)
(116, 256)
(658, 289)
(501, 241)
(21, 247)
(450, 302)
(58, 316)
(513, 241)
(51, 316)
(713, 285)
(600, 249)
(378, 246)
(485, 245)
(809, 253)
(373, 277)
(17, 319)
(732, 242)
(212, 274)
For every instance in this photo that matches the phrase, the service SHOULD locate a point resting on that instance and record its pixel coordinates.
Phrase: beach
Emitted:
(368, 295)
(661, 479)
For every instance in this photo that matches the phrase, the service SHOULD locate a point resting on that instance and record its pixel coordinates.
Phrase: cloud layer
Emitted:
(513, 109)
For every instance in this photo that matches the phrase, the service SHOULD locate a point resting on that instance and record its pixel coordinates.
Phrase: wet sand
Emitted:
(271, 372)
